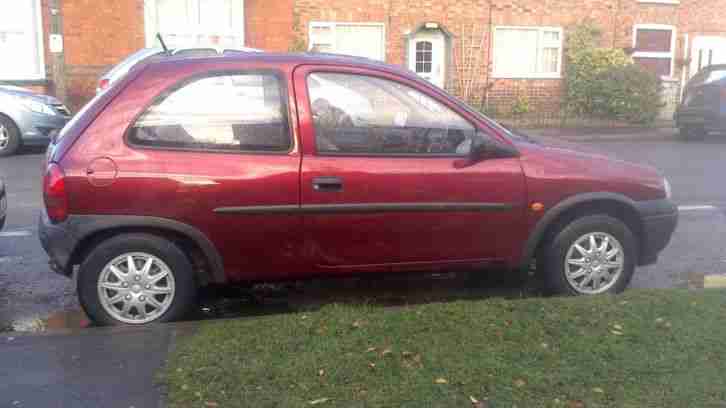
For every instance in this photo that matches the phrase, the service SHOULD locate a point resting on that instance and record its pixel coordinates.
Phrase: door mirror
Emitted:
(484, 147)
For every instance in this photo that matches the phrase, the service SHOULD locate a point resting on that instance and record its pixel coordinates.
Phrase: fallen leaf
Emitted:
(321, 372)
(386, 351)
(370, 349)
(319, 401)
(473, 400)
(668, 325)
(520, 382)
(598, 390)
(303, 317)
(372, 365)
(406, 354)
(211, 404)
(624, 302)
(358, 324)
(659, 320)
(617, 333)
(575, 404)
(441, 381)
(478, 404)
(545, 346)
(618, 327)
(185, 387)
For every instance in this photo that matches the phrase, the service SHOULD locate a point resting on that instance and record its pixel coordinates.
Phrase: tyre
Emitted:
(9, 137)
(135, 279)
(592, 255)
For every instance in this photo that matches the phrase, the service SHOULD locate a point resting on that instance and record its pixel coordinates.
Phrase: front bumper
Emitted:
(58, 243)
(36, 128)
(659, 219)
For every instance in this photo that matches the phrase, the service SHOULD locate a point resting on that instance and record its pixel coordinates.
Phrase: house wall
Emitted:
(96, 37)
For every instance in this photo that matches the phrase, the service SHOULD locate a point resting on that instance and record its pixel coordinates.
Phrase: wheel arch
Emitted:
(205, 258)
(613, 204)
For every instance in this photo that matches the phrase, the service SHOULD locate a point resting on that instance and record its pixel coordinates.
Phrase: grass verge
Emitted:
(642, 349)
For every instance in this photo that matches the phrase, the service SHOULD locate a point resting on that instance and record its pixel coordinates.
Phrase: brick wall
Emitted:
(96, 37)
(269, 24)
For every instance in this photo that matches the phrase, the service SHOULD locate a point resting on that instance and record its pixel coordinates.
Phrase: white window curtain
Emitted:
(21, 45)
(357, 39)
(194, 23)
(527, 52)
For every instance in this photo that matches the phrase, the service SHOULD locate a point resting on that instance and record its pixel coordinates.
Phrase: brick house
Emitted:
(515, 46)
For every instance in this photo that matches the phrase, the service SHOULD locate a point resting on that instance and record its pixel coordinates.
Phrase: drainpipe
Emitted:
(686, 50)
(490, 34)
(57, 59)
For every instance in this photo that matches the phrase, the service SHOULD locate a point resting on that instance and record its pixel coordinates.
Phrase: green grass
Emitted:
(667, 350)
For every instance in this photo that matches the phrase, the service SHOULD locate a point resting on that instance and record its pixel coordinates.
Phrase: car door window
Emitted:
(231, 112)
(359, 114)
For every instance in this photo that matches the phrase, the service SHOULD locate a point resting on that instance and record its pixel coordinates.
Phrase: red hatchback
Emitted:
(264, 167)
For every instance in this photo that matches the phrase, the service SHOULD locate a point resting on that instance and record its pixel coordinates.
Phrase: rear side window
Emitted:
(230, 112)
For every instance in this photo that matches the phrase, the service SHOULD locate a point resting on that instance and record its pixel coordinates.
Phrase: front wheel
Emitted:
(9, 137)
(592, 255)
(136, 279)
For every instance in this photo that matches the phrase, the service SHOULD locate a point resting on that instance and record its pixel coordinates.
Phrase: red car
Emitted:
(264, 167)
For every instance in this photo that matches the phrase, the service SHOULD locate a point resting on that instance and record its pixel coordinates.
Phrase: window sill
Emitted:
(26, 82)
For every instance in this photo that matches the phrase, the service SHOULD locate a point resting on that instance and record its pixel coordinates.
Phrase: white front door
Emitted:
(707, 51)
(426, 57)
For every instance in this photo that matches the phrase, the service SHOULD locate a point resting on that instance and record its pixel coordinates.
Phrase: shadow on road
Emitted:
(378, 290)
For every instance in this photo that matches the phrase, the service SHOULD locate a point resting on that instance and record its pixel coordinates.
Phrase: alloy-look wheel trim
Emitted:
(4, 137)
(136, 288)
(594, 263)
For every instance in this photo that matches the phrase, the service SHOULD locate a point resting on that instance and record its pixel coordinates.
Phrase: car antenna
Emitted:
(163, 44)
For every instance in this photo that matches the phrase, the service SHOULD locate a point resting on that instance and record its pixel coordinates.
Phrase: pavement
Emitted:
(74, 367)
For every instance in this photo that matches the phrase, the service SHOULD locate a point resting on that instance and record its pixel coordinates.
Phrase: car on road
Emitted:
(3, 204)
(235, 169)
(123, 67)
(703, 106)
(28, 118)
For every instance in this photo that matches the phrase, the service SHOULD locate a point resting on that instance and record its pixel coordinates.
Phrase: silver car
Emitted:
(28, 118)
(123, 67)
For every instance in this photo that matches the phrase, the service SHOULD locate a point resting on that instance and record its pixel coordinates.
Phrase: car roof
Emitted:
(287, 59)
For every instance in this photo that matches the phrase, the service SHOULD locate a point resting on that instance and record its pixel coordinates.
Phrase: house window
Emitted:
(21, 37)
(193, 23)
(424, 57)
(357, 39)
(655, 48)
(527, 52)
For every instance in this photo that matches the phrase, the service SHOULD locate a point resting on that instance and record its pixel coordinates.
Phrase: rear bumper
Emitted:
(659, 221)
(58, 243)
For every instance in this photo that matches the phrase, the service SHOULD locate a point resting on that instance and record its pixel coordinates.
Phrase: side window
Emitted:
(233, 112)
(358, 114)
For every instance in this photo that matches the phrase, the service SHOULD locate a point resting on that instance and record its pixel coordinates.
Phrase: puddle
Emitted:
(379, 290)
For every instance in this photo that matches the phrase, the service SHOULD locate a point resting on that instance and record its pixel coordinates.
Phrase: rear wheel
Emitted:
(136, 279)
(592, 255)
(9, 137)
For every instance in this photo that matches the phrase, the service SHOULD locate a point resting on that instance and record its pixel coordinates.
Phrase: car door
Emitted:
(385, 180)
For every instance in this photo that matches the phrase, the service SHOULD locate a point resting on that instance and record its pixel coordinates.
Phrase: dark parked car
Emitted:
(703, 108)
(28, 118)
(236, 169)
(3, 204)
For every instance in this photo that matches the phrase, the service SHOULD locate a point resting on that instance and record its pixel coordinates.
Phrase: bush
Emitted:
(604, 81)
(630, 93)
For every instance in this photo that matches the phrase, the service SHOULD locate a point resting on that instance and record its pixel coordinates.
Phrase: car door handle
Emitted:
(328, 184)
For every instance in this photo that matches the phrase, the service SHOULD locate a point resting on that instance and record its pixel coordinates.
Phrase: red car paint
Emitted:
(106, 176)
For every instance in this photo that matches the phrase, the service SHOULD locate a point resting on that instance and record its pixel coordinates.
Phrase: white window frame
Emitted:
(532, 75)
(151, 23)
(40, 36)
(672, 2)
(333, 24)
(660, 55)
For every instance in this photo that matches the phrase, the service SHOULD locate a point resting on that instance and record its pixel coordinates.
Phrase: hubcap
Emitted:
(4, 136)
(594, 263)
(136, 288)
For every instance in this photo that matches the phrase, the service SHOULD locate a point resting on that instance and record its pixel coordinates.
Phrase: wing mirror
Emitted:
(484, 147)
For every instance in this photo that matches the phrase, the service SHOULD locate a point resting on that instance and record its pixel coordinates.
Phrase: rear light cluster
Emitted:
(55, 195)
